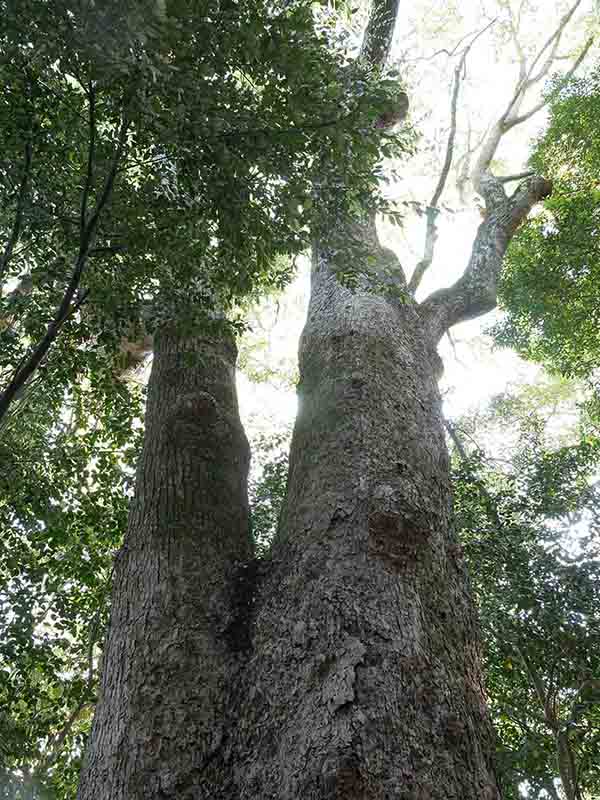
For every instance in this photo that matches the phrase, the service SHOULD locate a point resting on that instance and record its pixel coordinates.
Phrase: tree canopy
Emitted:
(551, 282)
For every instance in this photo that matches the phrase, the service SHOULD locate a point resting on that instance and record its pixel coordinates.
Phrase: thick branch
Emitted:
(16, 229)
(378, 36)
(518, 177)
(475, 292)
(67, 307)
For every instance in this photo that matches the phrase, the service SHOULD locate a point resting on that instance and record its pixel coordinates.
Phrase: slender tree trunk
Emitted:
(364, 682)
(177, 624)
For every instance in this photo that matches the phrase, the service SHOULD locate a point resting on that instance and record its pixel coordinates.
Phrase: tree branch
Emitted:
(59, 739)
(475, 292)
(379, 33)
(65, 308)
(16, 229)
(431, 232)
(513, 121)
(554, 36)
(510, 118)
(518, 177)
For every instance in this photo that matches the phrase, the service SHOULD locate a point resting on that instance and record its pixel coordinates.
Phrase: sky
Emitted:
(475, 371)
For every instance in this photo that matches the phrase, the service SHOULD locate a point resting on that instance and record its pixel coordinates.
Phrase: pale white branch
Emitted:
(431, 233)
(475, 292)
(511, 117)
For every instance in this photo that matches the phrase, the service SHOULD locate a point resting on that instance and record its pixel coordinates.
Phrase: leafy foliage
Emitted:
(64, 487)
(551, 280)
(530, 534)
(158, 158)
(156, 161)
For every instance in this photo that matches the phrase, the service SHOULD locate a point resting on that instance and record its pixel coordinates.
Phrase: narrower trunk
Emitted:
(177, 624)
(365, 680)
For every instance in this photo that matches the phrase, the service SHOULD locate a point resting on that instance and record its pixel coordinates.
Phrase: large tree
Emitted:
(347, 664)
(156, 160)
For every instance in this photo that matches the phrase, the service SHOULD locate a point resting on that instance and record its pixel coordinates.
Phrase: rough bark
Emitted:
(177, 627)
(377, 41)
(476, 291)
(364, 681)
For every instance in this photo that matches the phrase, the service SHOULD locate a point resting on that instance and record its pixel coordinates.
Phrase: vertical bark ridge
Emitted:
(175, 640)
(364, 681)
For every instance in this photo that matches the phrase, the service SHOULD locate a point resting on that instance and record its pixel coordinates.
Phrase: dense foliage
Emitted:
(528, 514)
(551, 281)
(156, 159)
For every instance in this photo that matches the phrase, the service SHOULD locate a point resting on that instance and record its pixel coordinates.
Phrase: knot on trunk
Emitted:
(394, 540)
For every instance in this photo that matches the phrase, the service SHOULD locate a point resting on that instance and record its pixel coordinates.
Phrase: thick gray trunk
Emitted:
(365, 680)
(351, 669)
(177, 624)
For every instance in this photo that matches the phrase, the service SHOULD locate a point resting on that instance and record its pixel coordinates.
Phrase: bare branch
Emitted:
(514, 25)
(545, 68)
(556, 34)
(464, 170)
(475, 292)
(378, 36)
(511, 117)
(431, 233)
(513, 121)
(16, 229)
(519, 177)
(441, 51)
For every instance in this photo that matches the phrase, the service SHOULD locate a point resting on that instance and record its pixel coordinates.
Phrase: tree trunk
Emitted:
(364, 682)
(177, 624)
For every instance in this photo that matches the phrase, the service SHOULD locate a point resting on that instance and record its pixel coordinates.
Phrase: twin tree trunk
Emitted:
(345, 666)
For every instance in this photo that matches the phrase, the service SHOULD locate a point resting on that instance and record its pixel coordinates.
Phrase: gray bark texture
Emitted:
(177, 625)
(364, 680)
(346, 666)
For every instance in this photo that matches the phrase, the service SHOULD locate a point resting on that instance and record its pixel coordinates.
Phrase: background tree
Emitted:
(529, 526)
(550, 286)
